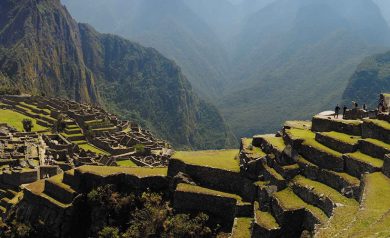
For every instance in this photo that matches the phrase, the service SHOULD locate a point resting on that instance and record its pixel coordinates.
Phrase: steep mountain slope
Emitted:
(296, 57)
(169, 26)
(281, 58)
(370, 78)
(43, 50)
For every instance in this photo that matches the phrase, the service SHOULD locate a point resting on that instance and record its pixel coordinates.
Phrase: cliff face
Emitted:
(43, 50)
(371, 78)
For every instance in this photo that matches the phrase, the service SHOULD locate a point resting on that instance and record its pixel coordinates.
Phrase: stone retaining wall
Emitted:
(222, 180)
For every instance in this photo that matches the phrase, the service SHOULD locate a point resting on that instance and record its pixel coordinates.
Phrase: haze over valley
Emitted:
(260, 62)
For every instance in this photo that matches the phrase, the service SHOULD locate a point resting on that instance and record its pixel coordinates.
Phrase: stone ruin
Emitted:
(320, 178)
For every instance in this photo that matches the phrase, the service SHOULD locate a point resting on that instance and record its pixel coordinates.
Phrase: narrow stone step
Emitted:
(265, 224)
(270, 174)
(288, 171)
(294, 214)
(374, 148)
(325, 124)
(319, 194)
(321, 155)
(339, 142)
(356, 164)
(344, 183)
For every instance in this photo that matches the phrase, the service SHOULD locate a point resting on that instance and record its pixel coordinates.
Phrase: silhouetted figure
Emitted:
(344, 110)
(381, 105)
(337, 111)
(364, 107)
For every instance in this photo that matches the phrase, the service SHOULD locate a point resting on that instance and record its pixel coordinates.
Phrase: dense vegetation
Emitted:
(105, 212)
(44, 51)
(370, 78)
(261, 63)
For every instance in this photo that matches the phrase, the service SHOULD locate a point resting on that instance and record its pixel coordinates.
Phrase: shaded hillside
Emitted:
(370, 78)
(43, 50)
(171, 27)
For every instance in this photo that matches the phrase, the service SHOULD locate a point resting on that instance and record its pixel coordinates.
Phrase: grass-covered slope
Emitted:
(43, 50)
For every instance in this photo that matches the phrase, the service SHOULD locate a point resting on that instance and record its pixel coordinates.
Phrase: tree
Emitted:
(109, 232)
(182, 225)
(139, 148)
(27, 125)
(149, 220)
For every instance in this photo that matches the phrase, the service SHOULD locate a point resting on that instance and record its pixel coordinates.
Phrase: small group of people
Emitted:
(355, 105)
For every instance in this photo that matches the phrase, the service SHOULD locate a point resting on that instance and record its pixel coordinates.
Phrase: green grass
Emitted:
(296, 134)
(324, 190)
(126, 163)
(366, 159)
(313, 143)
(136, 171)
(265, 219)
(183, 187)
(273, 172)
(290, 201)
(93, 149)
(252, 151)
(242, 227)
(374, 207)
(348, 139)
(14, 119)
(378, 143)
(220, 159)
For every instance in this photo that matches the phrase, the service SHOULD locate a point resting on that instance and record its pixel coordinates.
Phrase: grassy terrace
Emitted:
(183, 187)
(265, 219)
(313, 143)
(57, 180)
(14, 119)
(348, 139)
(384, 124)
(322, 189)
(276, 142)
(297, 134)
(126, 163)
(374, 207)
(136, 171)
(220, 159)
(378, 143)
(242, 228)
(366, 159)
(253, 151)
(290, 201)
(93, 149)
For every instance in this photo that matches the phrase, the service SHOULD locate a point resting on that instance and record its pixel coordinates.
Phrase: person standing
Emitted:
(344, 110)
(337, 111)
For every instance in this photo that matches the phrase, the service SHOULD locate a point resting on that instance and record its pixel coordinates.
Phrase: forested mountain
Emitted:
(43, 50)
(370, 78)
(171, 26)
(268, 60)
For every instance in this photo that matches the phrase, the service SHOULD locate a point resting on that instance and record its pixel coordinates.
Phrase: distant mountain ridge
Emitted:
(43, 50)
(268, 61)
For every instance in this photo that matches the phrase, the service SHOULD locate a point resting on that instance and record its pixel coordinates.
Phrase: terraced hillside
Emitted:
(323, 178)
